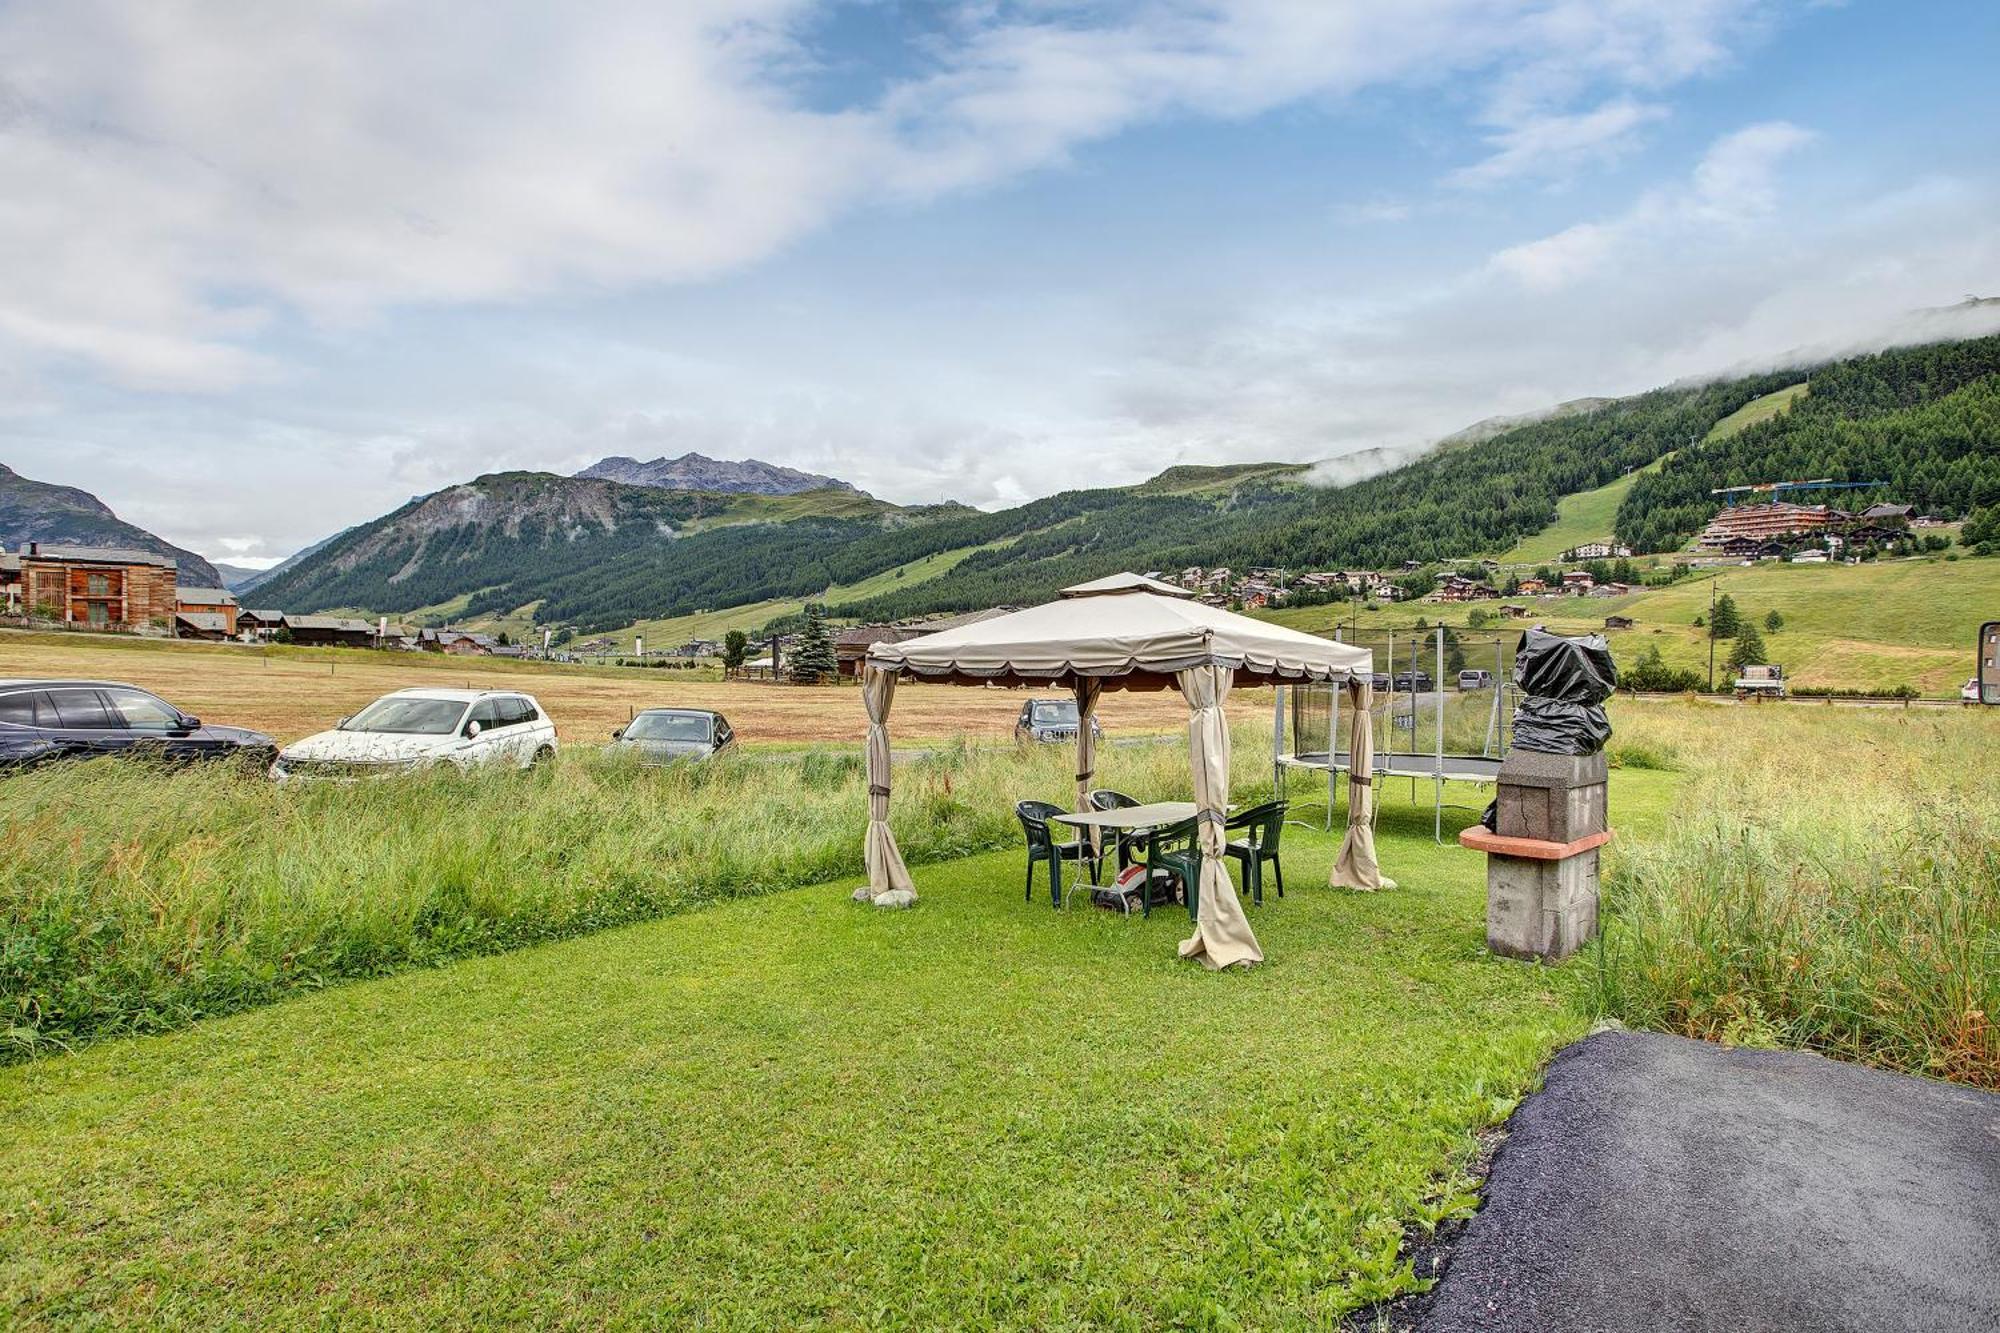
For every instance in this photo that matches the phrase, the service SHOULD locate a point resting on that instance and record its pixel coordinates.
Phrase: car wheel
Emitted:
(542, 756)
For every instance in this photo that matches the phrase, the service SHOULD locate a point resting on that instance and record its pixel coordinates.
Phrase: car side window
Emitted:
(523, 710)
(135, 710)
(81, 710)
(486, 713)
(723, 735)
(19, 708)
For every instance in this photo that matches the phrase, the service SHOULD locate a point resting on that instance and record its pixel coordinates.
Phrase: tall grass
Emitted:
(139, 899)
(1829, 881)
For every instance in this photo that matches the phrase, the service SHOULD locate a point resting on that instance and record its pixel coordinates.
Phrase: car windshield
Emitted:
(1056, 713)
(670, 727)
(408, 717)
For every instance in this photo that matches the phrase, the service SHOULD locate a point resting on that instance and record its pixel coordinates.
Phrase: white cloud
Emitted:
(1555, 145)
(1721, 274)
(1734, 184)
(186, 177)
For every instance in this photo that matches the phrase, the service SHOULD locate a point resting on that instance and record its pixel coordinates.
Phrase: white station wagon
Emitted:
(416, 728)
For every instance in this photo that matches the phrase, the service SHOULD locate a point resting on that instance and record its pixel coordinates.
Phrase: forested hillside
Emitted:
(596, 554)
(1924, 419)
(1461, 501)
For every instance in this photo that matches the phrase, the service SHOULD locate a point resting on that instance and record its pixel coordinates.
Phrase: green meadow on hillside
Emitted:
(1866, 627)
(1756, 410)
(1586, 516)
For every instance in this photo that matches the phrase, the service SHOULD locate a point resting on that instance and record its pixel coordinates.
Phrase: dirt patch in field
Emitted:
(291, 694)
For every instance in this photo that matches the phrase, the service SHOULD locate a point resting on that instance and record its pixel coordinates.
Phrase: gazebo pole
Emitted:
(1087, 690)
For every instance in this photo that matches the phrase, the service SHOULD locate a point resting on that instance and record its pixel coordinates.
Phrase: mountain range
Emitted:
(597, 554)
(698, 472)
(40, 511)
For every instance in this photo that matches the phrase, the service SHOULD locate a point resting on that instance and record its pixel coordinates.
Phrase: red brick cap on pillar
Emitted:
(1482, 839)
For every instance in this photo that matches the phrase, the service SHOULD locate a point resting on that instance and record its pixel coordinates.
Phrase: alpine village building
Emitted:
(103, 588)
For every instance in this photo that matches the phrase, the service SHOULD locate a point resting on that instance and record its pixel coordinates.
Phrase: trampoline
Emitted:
(1438, 734)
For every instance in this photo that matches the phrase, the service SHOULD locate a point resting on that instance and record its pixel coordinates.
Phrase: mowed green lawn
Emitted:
(796, 1111)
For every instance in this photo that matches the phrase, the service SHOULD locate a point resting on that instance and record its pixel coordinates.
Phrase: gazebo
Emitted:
(1129, 632)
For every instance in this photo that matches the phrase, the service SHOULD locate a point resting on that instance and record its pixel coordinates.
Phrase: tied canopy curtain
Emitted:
(886, 870)
(1356, 867)
(1087, 689)
(1222, 935)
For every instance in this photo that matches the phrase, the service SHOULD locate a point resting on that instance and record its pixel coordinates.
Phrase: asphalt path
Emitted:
(1657, 1183)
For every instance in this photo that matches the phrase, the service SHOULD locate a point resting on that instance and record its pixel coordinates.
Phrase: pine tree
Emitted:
(1749, 649)
(812, 657)
(1773, 623)
(1726, 620)
(735, 647)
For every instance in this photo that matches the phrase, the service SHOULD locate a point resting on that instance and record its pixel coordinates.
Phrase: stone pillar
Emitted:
(1541, 854)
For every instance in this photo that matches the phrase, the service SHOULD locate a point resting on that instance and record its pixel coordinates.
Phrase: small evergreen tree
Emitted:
(735, 648)
(1726, 620)
(1454, 653)
(1773, 623)
(505, 640)
(812, 658)
(1749, 650)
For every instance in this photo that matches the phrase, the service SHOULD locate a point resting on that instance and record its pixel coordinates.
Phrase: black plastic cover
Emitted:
(1564, 683)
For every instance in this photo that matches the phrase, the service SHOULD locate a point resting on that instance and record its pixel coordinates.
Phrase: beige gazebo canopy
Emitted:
(1119, 633)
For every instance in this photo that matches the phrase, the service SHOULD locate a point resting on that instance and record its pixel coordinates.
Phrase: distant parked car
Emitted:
(1474, 680)
(1415, 683)
(43, 720)
(418, 728)
(1969, 693)
(662, 735)
(1050, 720)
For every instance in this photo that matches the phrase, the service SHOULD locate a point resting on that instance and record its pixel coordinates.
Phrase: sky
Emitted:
(269, 271)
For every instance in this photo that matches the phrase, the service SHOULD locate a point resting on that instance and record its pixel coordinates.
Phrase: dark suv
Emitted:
(42, 720)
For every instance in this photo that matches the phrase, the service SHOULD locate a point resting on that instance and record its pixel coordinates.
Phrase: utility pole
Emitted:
(1711, 627)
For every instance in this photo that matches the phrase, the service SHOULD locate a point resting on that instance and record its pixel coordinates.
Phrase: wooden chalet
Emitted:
(109, 588)
(330, 632)
(851, 646)
(258, 624)
(208, 605)
(210, 626)
(456, 642)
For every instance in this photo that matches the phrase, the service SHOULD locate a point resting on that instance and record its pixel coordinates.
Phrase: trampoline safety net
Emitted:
(1443, 712)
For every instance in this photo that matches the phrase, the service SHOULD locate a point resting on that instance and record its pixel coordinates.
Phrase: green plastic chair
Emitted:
(1106, 799)
(1042, 846)
(1175, 848)
(1263, 826)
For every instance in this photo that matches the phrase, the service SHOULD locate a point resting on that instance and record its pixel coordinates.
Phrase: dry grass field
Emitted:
(293, 692)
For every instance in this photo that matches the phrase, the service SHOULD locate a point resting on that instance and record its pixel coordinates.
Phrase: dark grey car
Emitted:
(1050, 720)
(662, 735)
(44, 720)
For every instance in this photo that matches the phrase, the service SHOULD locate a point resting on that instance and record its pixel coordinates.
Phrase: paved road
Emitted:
(1657, 1183)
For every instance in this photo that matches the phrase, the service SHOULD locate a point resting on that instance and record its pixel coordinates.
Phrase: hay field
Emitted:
(293, 692)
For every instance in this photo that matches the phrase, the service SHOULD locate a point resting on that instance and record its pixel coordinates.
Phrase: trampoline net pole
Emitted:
(1437, 695)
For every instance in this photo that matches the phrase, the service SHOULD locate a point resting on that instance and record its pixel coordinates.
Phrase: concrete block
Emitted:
(1527, 768)
(1550, 814)
(1543, 910)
